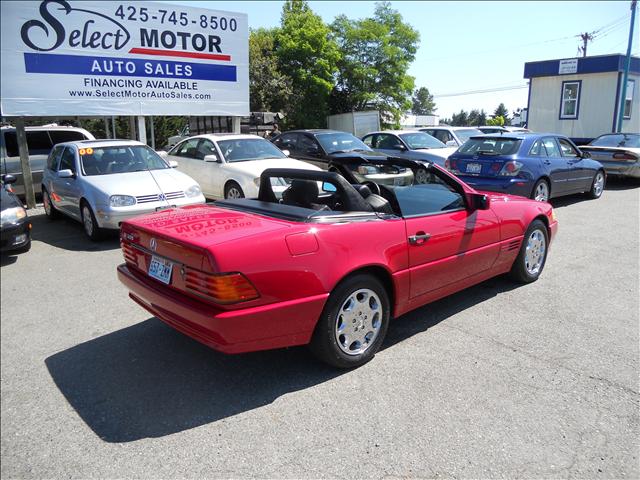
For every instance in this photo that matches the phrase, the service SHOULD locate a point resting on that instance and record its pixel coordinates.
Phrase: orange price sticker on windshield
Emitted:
(89, 151)
(82, 151)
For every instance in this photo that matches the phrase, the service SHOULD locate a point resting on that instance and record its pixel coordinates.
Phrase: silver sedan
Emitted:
(104, 182)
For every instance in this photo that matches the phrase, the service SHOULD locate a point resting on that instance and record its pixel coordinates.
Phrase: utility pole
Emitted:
(586, 37)
(625, 77)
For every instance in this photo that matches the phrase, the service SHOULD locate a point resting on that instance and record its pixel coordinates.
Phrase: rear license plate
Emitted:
(160, 269)
(474, 167)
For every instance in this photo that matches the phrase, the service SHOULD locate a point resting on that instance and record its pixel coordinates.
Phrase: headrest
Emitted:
(301, 192)
(363, 190)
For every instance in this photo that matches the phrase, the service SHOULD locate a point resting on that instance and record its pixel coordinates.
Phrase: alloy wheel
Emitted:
(358, 322)
(534, 253)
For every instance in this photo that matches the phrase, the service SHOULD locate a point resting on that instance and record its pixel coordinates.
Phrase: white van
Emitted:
(40, 141)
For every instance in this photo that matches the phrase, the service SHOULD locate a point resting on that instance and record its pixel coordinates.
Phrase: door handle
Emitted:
(420, 238)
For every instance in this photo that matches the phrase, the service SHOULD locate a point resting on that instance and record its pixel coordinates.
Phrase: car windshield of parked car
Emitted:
(339, 142)
(465, 133)
(119, 159)
(618, 140)
(491, 146)
(418, 140)
(247, 149)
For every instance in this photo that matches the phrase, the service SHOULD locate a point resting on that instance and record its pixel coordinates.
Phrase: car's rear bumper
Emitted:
(623, 169)
(397, 179)
(264, 327)
(510, 185)
(15, 236)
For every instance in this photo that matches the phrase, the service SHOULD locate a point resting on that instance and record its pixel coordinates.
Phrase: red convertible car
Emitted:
(329, 263)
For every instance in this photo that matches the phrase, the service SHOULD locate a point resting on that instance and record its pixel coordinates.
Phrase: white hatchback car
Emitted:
(104, 182)
(230, 165)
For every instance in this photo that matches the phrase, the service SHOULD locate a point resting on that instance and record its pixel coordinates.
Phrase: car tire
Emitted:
(353, 323)
(50, 211)
(532, 256)
(541, 191)
(233, 190)
(597, 186)
(89, 223)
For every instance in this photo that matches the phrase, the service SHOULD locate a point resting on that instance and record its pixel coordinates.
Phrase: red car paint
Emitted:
(295, 265)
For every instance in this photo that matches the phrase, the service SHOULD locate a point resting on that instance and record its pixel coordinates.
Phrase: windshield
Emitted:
(465, 133)
(617, 140)
(491, 146)
(340, 142)
(416, 140)
(119, 159)
(247, 149)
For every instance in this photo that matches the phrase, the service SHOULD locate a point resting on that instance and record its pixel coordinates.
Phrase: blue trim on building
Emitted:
(615, 107)
(597, 64)
(579, 82)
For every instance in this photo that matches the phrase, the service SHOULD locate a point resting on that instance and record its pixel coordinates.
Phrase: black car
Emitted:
(326, 148)
(15, 228)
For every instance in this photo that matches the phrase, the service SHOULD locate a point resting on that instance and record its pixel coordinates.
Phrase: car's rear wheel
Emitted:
(422, 176)
(533, 253)
(233, 190)
(49, 210)
(91, 228)
(597, 186)
(353, 323)
(540, 191)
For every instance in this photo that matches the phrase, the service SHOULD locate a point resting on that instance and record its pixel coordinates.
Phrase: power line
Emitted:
(484, 90)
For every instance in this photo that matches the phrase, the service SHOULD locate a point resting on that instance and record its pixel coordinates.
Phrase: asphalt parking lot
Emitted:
(498, 381)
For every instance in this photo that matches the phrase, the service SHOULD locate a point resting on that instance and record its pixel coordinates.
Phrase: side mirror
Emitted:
(211, 158)
(66, 174)
(8, 179)
(162, 153)
(400, 147)
(313, 149)
(173, 164)
(479, 201)
(586, 155)
(451, 143)
(328, 187)
(286, 152)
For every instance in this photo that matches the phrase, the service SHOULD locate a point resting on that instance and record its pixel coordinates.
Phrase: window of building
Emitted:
(570, 102)
(628, 100)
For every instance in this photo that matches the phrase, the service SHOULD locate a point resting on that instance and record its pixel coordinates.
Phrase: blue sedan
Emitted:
(534, 165)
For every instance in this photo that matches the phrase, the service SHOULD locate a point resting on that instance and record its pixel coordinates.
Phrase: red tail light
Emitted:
(511, 169)
(495, 167)
(624, 156)
(223, 288)
(451, 165)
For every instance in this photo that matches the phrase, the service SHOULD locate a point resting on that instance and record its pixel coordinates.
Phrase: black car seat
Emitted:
(376, 202)
(302, 193)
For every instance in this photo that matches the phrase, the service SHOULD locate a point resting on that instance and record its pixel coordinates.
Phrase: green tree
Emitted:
(496, 121)
(308, 55)
(270, 90)
(502, 111)
(375, 56)
(477, 118)
(423, 103)
(460, 119)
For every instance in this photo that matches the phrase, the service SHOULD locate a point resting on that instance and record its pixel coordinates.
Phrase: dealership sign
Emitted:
(62, 57)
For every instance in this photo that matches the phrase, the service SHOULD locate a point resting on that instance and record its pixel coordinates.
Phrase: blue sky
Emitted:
(478, 45)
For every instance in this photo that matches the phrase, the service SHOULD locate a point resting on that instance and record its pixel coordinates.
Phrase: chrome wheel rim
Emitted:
(234, 193)
(542, 192)
(598, 184)
(47, 203)
(358, 322)
(421, 176)
(87, 221)
(534, 253)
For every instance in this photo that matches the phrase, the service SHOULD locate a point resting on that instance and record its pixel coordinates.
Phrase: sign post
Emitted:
(23, 149)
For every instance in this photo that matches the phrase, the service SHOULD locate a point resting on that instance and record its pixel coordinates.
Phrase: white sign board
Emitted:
(568, 66)
(63, 57)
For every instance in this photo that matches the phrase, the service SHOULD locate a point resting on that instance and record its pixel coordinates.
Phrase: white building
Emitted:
(580, 97)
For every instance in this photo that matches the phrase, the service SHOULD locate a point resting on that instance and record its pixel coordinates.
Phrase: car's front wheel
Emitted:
(233, 190)
(91, 228)
(49, 210)
(533, 253)
(597, 186)
(353, 323)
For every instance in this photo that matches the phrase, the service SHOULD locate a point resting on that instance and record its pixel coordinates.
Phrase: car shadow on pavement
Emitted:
(148, 380)
(68, 234)
(622, 183)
